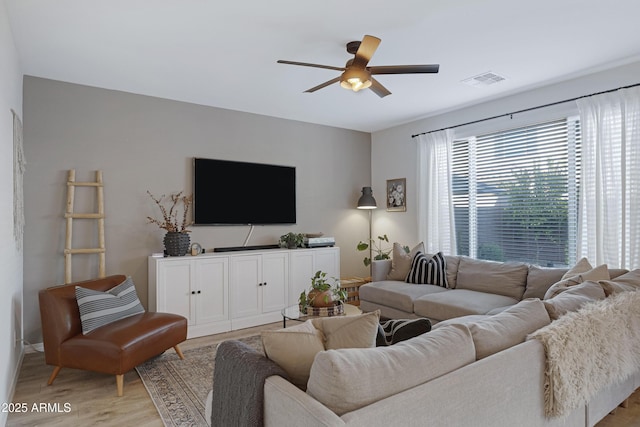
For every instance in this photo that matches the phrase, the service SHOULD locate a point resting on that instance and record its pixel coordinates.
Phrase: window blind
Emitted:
(516, 193)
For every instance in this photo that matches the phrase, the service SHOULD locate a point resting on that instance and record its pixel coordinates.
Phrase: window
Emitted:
(515, 193)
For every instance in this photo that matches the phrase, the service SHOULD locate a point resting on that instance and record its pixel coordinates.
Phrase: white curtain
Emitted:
(609, 213)
(436, 226)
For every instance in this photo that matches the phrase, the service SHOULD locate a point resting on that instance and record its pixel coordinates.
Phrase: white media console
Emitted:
(224, 291)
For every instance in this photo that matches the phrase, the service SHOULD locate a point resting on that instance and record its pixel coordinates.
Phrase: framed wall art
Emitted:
(396, 195)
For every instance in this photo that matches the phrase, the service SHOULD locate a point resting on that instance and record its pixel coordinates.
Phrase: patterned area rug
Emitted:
(179, 388)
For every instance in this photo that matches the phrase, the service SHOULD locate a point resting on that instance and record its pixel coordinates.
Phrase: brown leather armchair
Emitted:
(113, 349)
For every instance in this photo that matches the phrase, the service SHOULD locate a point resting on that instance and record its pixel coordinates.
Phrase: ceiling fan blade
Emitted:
(366, 50)
(404, 69)
(306, 64)
(325, 84)
(378, 89)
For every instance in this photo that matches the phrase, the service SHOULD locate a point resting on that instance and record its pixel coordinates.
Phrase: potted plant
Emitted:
(174, 221)
(291, 240)
(322, 293)
(377, 248)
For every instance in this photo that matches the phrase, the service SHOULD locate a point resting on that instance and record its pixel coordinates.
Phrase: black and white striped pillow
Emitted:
(101, 308)
(396, 330)
(429, 271)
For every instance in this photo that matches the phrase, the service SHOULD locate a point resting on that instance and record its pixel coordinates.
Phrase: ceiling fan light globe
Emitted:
(355, 80)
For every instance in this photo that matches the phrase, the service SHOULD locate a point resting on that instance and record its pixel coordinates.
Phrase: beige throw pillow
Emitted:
(573, 298)
(578, 274)
(294, 349)
(349, 331)
(629, 281)
(401, 261)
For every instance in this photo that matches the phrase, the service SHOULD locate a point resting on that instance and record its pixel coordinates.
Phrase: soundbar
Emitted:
(245, 248)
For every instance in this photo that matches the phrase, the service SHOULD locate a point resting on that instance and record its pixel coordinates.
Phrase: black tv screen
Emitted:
(239, 193)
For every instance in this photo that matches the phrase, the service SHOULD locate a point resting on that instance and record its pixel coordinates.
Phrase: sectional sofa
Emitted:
(568, 360)
(469, 374)
(475, 287)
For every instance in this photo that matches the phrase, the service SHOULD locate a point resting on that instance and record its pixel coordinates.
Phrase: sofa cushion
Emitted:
(611, 287)
(102, 308)
(573, 278)
(349, 331)
(501, 278)
(401, 261)
(458, 302)
(511, 327)
(540, 279)
(294, 348)
(305, 339)
(394, 294)
(462, 320)
(348, 379)
(573, 298)
(428, 270)
(629, 281)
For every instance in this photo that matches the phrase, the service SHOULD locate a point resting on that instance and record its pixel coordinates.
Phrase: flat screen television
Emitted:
(240, 193)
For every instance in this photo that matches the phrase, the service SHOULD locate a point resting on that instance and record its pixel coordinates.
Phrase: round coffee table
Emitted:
(293, 313)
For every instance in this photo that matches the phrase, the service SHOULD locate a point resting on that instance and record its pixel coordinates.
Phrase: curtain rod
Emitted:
(525, 110)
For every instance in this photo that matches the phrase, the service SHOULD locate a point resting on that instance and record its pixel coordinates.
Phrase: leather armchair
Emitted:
(113, 349)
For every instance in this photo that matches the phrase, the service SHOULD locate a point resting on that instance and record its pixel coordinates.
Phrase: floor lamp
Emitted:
(367, 202)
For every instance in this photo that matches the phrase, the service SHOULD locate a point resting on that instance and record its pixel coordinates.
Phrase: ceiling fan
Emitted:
(356, 75)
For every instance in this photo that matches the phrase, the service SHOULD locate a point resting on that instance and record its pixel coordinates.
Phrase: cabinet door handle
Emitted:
(193, 292)
(259, 284)
(264, 284)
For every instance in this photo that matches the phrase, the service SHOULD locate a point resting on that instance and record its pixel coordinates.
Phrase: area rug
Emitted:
(179, 388)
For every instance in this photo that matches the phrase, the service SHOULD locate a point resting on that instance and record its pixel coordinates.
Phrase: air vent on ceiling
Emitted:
(484, 79)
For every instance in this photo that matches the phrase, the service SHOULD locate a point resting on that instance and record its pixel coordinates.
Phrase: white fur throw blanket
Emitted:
(590, 349)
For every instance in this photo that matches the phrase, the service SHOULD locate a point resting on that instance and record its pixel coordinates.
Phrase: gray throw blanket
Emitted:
(238, 385)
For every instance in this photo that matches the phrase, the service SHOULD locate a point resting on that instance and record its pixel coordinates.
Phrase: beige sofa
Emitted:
(474, 371)
(476, 287)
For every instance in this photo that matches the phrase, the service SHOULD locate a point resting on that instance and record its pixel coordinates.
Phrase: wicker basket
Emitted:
(352, 286)
(336, 310)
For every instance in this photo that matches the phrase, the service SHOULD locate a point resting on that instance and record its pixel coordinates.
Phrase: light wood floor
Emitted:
(91, 397)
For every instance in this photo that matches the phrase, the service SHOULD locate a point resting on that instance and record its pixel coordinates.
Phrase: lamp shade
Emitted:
(367, 201)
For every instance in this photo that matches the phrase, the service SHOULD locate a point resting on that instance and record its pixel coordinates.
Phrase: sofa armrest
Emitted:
(380, 269)
(286, 405)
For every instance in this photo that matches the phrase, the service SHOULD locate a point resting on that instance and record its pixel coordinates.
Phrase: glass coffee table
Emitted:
(293, 313)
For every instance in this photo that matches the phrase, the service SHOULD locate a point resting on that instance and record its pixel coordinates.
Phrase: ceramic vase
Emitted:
(176, 244)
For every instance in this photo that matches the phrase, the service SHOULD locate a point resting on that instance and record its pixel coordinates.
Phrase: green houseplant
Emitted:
(322, 293)
(376, 247)
(291, 240)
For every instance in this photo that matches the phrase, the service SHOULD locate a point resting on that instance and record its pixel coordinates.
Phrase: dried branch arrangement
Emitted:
(170, 221)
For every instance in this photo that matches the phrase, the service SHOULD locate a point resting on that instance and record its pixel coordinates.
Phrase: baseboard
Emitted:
(14, 384)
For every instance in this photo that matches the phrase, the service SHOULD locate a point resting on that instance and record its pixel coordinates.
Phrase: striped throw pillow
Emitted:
(101, 308)
(396, 330)
(429, 271)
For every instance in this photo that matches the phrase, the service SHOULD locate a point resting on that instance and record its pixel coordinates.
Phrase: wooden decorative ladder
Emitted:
(70, 215)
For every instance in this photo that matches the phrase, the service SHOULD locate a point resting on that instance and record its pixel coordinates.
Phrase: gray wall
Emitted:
(394, 152)
(11, 348)
(143, 143)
